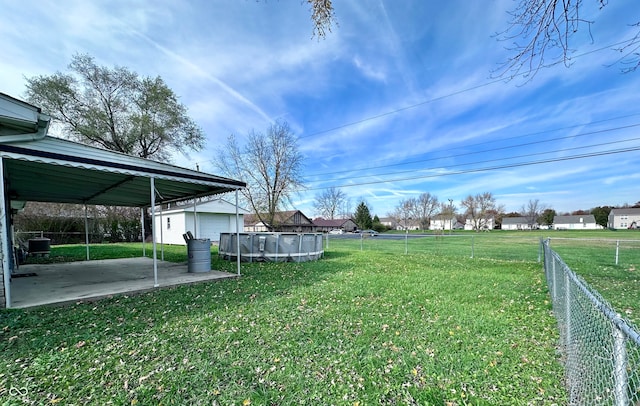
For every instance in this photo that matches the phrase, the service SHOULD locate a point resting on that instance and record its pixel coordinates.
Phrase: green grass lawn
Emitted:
(589, 253)
(355, 328)
(593, 258)
(365, 325)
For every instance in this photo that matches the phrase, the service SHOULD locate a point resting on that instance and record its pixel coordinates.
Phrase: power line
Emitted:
(388, 113)
(422, 103)
(492, 168)
(584, 147)
(485, 150)
(455, 93)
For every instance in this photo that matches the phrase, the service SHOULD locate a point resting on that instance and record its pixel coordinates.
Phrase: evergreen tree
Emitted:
(363, 216)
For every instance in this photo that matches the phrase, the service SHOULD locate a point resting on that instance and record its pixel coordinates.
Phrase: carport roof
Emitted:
(47, 169)
(58, 170)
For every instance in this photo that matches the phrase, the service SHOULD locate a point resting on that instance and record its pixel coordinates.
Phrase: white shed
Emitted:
(205, 220)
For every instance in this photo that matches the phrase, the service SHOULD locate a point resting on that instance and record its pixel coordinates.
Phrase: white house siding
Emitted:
(511, 226)
(516, 223)
(624, 218)
(573, 226)
(484, 224)
(442, 224)
(575, 222)
(173, 226)
(212, 218)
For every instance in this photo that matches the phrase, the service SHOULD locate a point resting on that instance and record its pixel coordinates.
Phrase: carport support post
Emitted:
(144, 246)
(161, 235)
(4, 240)
(238, 234)
(195, 217)
(153, 232)
(86, 231)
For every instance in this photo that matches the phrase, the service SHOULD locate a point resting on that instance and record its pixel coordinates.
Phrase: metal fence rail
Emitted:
(600, 349)
(618, 251)
(522, 247)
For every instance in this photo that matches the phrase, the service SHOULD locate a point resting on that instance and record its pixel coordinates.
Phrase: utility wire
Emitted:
(388, 113)
(422, 103)
(412, 106)
(485, 143)
(583, 147)
(483, 151)
(491, 168)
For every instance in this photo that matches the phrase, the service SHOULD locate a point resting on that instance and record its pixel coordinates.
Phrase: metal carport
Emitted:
(37, 167)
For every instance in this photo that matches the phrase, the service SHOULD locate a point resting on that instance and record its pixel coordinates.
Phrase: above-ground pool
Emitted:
(294, 247)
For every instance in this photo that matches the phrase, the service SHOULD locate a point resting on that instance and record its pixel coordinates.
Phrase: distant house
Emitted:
(408, 224)
(284, 221)
(326, 225)
(480, 225)
(628, 217)
(389, 222)
(575, 222)
(518, 223)
(206, 220)
(444, 222)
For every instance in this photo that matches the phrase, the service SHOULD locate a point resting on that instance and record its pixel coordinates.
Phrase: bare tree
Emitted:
(538, 28)
(478, 207)
(345, 211)
(271, 166)
(322, 15)
(404, 211)
(540, 34)
(447, 214)
(425, 208)
(329, 202)
(532, 212)
(420, 210)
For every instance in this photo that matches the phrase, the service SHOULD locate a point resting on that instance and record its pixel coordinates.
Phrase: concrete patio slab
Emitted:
(92, 280)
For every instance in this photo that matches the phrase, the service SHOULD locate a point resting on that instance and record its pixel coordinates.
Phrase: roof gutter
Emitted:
(13, 130)
(20, 121)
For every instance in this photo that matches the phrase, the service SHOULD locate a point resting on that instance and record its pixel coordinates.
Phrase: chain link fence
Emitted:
(623, 252)
(600, 349)
(490, 245)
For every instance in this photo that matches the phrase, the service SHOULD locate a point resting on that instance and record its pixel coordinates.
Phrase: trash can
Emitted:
(199, 254)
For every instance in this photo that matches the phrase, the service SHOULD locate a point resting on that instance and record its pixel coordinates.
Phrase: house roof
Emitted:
(281, 218)
(515, 220)
(321, 222)
(47, 169)
(634, 211)
(218, 206)
(574, 219)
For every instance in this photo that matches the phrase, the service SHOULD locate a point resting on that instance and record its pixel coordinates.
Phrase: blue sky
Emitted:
(396, 101)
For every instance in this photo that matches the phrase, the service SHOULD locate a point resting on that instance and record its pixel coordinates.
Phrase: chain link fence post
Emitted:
(600, 349)
(620, 367)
